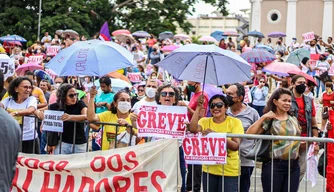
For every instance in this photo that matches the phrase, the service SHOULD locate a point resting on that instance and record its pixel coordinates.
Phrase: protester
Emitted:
(37, 92)
(87, 83)
(222, 44)
(259, 94)
(155, 55)
(46, 39)
(21, 103)
(74, 112)
(149, 92)
(10, 137)
(222, 123)
(327, 100)
(305, 66)
(322, 66)
(140, 94)
(235, 95)
(45, 86)
(302, 107)
(277, 120)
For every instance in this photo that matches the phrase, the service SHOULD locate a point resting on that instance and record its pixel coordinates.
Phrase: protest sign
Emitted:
(146, 167)
(309, 36)
(162, 121)
(135, 77)
(52, 121)
(248, 96)
(7, 65)
(35, 59)
(205, 150)
(52, 50)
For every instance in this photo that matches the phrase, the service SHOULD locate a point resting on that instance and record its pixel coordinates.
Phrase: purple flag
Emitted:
(104, 32)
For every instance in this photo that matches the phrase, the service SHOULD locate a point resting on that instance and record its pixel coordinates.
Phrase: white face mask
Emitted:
(259, 72)
(150, 92)
(277, 56)
(86, 79)
(38, 51)
(124, 106)
(57, 85)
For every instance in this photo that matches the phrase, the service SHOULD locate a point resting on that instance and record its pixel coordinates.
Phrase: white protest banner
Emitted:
(7, 65)
(135, 77)
(52, 121)
(309, 36)
(35, 59)
(205, 150)
(146, 167)
(248, 96)
(52, 50)
(162, 121)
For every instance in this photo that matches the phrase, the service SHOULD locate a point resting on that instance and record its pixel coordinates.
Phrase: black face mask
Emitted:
(154, 50)
(300, 88)
(230, 100)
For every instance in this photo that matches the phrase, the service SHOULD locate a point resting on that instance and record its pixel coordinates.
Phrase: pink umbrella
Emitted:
(27, 67)
(51, 73)
(121, 32)
(231, 34)
(279, 68)
(169, 48)
(208, 39)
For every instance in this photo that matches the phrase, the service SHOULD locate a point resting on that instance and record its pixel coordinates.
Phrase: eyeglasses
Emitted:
(219, 105)
(170, 94)
(73, 95)
(27, 87)
(140, 90)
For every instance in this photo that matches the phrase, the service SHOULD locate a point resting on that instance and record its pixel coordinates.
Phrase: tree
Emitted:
(87, 16)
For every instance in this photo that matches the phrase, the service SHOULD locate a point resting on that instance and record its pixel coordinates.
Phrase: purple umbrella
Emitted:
(258, 56)
(276, 34)
(212, 90)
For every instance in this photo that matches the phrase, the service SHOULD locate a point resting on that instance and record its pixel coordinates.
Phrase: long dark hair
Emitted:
(61, 95)
(276, 95)
(113, 108)
(221, 97)
(176, 90)
(16, 83)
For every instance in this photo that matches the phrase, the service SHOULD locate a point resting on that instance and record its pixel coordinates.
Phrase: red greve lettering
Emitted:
(81, 61)
(199, 146)
(149, 120)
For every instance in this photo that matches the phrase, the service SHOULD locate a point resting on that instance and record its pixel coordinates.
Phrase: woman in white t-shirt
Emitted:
(305, 65)
(21, 103)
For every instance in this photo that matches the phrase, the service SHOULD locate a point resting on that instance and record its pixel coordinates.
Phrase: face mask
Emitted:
(277, 56)
(86, 79)
(153, 77)
(300, 88)
(230, 100)
(57, 85)
(124, 106)
(154, 50)
(150, 92)
(38, 51)
(279, 43)
(140, 97)
(252, 74)
(259, 72)
(191, 88)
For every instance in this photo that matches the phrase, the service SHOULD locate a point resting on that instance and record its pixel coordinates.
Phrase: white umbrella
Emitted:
(208, 39)
(123, 37)
(71, 33)
(182, 37)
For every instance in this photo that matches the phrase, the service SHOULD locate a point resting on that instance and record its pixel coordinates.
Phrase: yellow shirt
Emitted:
(230, 125)
(37, 92)
(109, 117)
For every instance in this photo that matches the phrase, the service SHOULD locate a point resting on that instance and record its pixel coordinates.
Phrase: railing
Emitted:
(307, 140)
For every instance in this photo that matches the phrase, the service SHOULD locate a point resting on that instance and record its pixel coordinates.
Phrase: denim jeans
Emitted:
(216, 185)
(259, 109)
(245, 182)
(43, 142)
(280, 175)
(67, 148)
(183, 169)
(320, 84)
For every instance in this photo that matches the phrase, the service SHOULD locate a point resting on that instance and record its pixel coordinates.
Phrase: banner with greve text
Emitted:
(146, 167)
(162, 121)
(205, 150)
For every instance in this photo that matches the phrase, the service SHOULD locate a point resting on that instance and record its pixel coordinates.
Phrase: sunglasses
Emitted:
(140, 90)
(27, 87)
(170, 94)
(219, 105)
(261, 81)
(73, 95)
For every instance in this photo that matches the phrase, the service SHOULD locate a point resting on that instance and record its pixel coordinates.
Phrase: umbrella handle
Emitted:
(206, 66)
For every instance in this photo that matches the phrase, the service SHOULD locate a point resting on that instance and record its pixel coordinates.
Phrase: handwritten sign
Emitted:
(35, 59)
(248, 97)
(7, 65)
(162, 121)
(52, 121)
(309, 36)
(205, 150)
(52, 50)
(135, 77)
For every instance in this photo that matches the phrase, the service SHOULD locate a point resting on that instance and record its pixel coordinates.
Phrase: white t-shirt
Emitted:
(138, 56)
(29, 122)
(142, 102)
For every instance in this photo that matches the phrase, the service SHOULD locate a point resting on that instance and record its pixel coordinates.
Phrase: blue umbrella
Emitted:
(141, 34)
(218, 35)
(13, 38)
(43, 75)
(265, 47)
(92, 58)
(258, 56)
(166, 35)
(207, 64)
(255, 34)
(297, 56)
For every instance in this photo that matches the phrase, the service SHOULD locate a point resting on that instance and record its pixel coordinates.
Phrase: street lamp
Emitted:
(39, 20)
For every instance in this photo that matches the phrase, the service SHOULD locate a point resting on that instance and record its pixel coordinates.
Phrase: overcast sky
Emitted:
(234, 6)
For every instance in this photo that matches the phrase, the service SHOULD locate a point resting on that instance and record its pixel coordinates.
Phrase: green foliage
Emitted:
(87, 16)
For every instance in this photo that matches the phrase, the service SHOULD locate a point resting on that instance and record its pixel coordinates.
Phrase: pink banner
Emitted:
(135, 77)
(308, 36)
(52, 50)
(35, 59)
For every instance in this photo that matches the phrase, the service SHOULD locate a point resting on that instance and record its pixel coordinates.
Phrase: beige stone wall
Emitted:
(267, 6)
